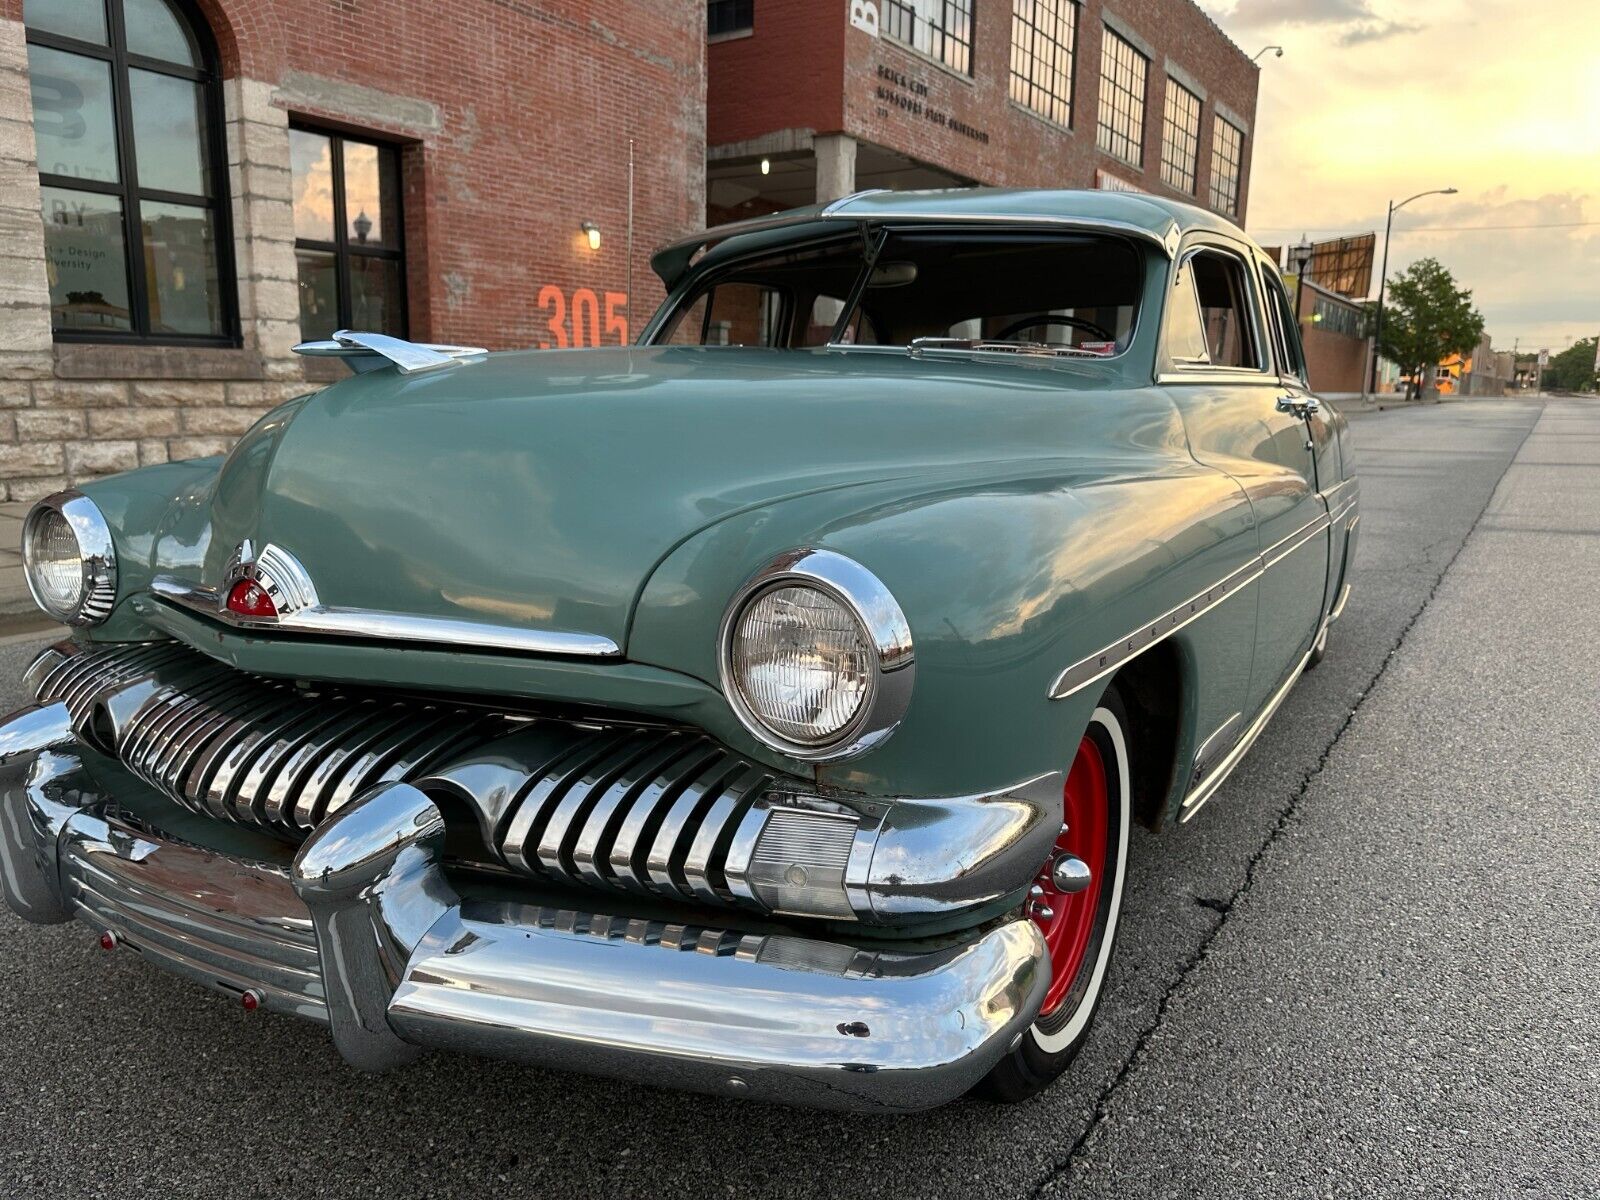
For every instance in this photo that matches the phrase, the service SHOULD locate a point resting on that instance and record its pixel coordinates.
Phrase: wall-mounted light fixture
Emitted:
(766, 166)
(592, 232)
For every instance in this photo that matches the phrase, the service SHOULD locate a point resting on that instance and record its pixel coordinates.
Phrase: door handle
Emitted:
(1301, 407)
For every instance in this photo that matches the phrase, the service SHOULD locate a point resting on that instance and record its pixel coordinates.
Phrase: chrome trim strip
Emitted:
(386, 626)
(1338, 606)
(882, 621)
(1102, 663)
(1213, 743)
(1207, 788)
(364, 351)
(1097, 666)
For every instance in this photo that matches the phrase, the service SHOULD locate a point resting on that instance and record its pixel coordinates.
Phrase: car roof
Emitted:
(1152, 219)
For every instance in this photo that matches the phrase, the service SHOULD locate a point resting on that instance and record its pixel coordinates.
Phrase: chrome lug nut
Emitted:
(1043, 912)
(1071, 874)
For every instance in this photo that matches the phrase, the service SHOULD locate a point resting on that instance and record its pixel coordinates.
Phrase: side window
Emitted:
(1284, 328)
(1209, 322)
(730, 314)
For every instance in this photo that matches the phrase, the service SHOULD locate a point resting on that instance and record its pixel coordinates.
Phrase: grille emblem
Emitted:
(267, 586)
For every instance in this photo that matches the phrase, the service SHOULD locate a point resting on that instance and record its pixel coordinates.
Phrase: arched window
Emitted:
(127, 115)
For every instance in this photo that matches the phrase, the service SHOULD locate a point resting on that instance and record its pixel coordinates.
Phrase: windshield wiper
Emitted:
(1042, 349)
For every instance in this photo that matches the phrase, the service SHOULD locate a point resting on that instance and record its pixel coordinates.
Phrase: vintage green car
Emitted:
(762, 708)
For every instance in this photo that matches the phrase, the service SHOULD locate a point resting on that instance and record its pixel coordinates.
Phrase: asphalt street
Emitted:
(1366, 968)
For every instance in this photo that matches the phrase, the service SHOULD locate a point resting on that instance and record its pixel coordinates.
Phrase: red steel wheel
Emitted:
(1075, 901)
(1067, 918)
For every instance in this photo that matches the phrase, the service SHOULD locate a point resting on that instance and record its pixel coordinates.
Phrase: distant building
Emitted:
(807, 102)
(1334, 331)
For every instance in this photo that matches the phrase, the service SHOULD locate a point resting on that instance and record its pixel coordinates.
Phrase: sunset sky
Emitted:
(1375, 99)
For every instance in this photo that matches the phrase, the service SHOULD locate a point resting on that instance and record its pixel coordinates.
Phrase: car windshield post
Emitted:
(872, 243)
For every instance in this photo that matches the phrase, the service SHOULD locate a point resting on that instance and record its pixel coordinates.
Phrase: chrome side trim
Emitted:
(1102, 663)
(98, 551)
(1207, 787)
(1338, 607)
(1097, 666)
(882, 621)
(1212, 746)
(366, 624)
(371, 351)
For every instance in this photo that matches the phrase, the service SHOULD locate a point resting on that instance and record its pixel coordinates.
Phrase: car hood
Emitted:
(539, 490)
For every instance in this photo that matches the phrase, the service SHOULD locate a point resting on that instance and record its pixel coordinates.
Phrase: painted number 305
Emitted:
(578, 322)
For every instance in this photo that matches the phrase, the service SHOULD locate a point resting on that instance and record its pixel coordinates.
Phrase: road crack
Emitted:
(1224, 906)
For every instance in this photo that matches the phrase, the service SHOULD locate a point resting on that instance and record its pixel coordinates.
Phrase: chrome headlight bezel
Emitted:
(97, 556)
(883, 625)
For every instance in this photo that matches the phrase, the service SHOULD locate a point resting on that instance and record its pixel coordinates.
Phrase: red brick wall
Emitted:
(535, 101)
(1335, 362)
(787, 74)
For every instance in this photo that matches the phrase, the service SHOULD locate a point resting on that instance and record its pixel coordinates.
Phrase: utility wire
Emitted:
(1440, 228)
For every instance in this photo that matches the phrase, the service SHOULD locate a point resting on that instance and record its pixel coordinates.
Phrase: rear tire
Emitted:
(1080, 927)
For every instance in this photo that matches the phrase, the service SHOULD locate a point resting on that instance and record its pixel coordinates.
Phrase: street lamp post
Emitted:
(1383, 277)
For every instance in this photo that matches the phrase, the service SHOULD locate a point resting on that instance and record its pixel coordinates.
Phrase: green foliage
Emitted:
(1573, 369)
(1427, 318)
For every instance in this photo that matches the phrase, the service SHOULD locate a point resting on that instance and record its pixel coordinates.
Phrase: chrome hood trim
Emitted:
(367, 625)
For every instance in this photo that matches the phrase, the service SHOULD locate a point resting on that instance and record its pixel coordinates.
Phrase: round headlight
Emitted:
(816, 656)
(68, 559)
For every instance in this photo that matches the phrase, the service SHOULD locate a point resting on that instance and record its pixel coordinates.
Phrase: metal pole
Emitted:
(630, 238)
(1383, 280)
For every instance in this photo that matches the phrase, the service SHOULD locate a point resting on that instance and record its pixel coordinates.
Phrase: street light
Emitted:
(1383, 277)
(1264, 49)
(1300, 255)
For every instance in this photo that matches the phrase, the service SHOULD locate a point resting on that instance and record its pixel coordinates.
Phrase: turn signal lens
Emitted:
(802, 663)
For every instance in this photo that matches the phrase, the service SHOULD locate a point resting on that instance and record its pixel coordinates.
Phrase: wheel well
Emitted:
(1152, 692)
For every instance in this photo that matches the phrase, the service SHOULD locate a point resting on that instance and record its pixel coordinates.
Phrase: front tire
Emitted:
(1079, 926)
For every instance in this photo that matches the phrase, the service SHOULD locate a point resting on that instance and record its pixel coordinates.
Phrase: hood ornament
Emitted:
(265, 587)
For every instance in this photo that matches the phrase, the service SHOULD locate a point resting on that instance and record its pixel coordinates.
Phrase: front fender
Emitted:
(1004, 582)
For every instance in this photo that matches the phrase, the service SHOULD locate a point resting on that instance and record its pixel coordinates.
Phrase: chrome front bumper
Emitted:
(364, 931)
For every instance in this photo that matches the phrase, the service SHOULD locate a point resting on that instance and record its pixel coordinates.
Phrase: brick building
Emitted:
(1333, 328)
(809, 101)
(190, 187)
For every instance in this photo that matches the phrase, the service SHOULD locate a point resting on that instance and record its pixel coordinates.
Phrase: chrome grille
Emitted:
(245, 748)
(644, 809)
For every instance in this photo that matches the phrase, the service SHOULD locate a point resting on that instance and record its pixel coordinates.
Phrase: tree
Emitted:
(1573, 369)
(1426, 319)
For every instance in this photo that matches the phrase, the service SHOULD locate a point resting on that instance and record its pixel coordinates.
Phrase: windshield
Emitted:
(929, 287)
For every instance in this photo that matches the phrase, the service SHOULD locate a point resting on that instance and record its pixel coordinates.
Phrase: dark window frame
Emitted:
(1042, 48)
(741, 12)
(341, 247)
(1121, 56)
(1174, 139)
(127, 190)
(941, 36)
(1225, 199)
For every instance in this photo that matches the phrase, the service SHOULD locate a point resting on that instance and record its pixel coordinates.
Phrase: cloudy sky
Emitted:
(1378, 99)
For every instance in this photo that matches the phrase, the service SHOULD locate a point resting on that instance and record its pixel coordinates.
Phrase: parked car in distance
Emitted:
(761, 709)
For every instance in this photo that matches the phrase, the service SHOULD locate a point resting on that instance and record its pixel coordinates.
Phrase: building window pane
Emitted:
(941, 29)
(155, 31)
(371, 193)
(1044, 35)
(85, 260)
(1227, 155)
(375, 293)
(81, 19)
(1123, 75)
(136, 212)
(168, 132)
(72, 122)
(180, 252)
(319, 294)
(347, 226)
(1180, 137)
(729, 16)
